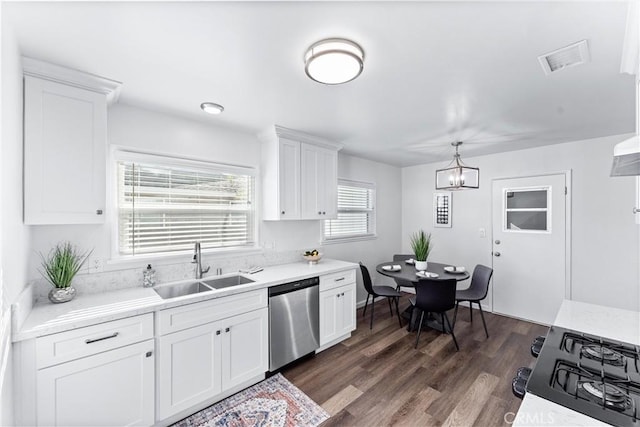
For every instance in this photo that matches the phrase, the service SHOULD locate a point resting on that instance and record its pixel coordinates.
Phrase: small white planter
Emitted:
(421, 265)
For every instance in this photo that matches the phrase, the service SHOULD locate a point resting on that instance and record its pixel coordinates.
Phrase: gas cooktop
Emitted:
(595, 376)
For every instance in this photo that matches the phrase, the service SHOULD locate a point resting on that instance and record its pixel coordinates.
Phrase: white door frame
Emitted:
(567, 236)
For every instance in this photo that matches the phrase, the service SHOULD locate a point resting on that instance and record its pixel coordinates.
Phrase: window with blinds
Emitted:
(165, 208)
(356, 212)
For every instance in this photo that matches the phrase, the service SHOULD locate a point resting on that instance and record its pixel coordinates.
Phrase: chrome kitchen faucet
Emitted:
(197, 260)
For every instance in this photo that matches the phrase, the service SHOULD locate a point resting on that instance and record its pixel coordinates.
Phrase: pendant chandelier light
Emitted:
(457, 175)
(334, 61)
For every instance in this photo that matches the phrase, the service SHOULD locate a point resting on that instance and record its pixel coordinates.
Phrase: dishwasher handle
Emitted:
(293, 286)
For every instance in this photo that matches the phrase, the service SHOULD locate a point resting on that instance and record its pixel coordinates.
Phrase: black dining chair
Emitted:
(476, 292)
(435, 296)
(378, 291)
(402, 282)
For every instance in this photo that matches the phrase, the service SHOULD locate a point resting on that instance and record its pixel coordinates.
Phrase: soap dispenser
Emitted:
(148, 277)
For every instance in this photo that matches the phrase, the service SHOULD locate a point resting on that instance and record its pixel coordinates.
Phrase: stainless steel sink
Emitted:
(182, 289)
(225, 282)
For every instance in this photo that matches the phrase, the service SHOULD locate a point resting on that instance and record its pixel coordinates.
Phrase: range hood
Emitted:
(626, 157)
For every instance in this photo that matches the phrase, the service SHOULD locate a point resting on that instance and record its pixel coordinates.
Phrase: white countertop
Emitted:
(85, 310)
(613, 323)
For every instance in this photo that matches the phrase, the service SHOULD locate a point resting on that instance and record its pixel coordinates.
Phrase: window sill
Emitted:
(349, 239)
(122, 262)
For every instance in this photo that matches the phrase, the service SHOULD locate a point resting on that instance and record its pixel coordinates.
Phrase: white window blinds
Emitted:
(164, 208)
(356, 211)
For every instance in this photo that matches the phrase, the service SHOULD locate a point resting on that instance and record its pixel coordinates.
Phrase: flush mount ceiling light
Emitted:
(211, 108)
(457, 175)
(334, 61)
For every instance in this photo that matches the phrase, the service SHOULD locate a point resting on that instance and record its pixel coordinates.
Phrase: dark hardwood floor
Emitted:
(377, 378)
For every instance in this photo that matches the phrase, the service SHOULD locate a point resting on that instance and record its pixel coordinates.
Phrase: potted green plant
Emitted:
(421, 246)
(59, 268)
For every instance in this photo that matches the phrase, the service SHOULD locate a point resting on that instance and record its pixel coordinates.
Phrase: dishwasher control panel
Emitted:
(293, 286)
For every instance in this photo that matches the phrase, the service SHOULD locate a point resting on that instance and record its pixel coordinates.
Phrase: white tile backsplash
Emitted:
(132, 277)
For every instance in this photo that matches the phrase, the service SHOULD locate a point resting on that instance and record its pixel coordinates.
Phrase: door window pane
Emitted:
(527, 209)
(527, 199)
(527, 221)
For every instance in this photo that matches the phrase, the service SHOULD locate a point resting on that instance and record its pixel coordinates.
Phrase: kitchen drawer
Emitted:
(187, 316)
(81, 342)
(333, 280)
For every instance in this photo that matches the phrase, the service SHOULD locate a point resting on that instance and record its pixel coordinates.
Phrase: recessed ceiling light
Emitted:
(211, 108)
(334, 61)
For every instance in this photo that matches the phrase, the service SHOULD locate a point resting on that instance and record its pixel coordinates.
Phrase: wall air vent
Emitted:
(569, 56)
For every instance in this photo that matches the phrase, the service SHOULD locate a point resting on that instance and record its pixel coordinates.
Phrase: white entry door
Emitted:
(529, 246)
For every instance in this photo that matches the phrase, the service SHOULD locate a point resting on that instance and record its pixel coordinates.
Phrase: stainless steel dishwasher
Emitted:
(294, 327)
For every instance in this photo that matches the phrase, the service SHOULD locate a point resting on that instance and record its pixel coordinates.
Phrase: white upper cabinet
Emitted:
(65, 143)
(319, 182)
(289, 180)
(299, 175)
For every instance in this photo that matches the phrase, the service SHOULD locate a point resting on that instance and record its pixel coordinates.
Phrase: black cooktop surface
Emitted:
(595, 376)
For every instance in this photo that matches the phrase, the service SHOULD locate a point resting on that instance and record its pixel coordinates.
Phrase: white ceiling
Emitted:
(434, 71)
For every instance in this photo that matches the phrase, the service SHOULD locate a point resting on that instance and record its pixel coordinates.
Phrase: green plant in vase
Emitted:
(59, 268)
(421, 245)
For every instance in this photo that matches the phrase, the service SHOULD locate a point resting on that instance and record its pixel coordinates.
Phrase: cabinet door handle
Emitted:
(342, 294)
(338, 296)
(217, 332)
(227, 329)
(339, 280)
(113, 335)
(319, 213)
(324, 213)
(98, 211)
(149, 353)
(636, 210)
(282, 212)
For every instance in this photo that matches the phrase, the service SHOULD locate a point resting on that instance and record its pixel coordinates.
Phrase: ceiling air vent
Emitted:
(575, 54)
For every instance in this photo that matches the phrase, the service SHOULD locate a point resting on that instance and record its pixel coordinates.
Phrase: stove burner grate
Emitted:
(623, 355)
(610, 395)
(602, 354)
(598, 377)
(598, 388)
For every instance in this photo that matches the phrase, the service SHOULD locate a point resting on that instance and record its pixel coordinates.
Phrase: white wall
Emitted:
(308, 234)
(388, 215)
(604, 241)
(14, 250)
(157, 132)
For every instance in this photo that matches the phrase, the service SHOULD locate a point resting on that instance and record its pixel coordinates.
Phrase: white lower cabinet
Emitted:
(115, 388)
(245, 347)
(201, 362)
(188, 368)
(107, 377)
(337, 312)
(155, 368)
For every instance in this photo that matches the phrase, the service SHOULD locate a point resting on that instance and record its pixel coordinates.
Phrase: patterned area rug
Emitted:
(274, 402)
